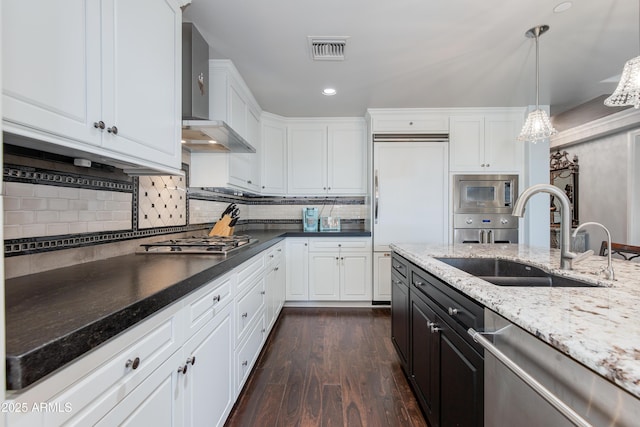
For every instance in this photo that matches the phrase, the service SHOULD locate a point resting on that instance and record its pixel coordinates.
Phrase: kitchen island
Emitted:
(597, 326)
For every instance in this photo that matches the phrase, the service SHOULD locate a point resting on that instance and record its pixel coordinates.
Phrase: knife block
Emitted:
(222, 228)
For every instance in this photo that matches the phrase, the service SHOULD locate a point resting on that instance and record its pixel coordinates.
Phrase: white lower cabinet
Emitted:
(297, 282)
(381, 275)
(274, 283)
(155, 402)
(207, 384)
(339, 269)
(248, 351)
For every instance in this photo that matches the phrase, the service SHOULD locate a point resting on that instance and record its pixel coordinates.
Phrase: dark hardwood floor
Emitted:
(328, 367)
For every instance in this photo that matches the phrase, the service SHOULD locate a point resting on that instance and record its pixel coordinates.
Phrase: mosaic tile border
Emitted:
(222, 195)
(31, 175)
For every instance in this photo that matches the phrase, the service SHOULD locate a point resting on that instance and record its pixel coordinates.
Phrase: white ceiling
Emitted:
(420, 53)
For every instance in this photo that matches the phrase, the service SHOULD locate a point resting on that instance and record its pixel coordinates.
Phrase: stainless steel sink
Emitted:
(503, 272)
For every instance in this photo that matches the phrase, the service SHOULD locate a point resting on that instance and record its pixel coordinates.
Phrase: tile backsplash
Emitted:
(57, 215)
(33, 210)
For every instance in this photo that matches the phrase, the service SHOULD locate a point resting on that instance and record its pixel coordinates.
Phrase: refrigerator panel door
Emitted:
(413, 190)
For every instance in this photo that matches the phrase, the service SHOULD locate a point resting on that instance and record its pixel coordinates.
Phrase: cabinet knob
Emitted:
(262, 292)
(191, 360)
(245, 363)
(113, 130)
(133, 364)
(488, 165)
(453, 311)
(410, 123)
(216, 298)
(245, 314)
(182, 369)
(434, 328)
(418, 284)
(482, 165)
(276, 269)
(98, 125)
(249, 182)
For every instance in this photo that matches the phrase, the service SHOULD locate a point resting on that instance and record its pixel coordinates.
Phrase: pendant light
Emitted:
(537, 126)
(628, 90)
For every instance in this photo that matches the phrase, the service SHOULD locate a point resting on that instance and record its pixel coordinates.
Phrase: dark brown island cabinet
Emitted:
(429, 320)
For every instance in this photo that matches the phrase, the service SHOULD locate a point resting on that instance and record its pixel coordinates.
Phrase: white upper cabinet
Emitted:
(327, 157)
(274, 155)
(485, 142)
(99, 78)
(231, 101)
(408, 121)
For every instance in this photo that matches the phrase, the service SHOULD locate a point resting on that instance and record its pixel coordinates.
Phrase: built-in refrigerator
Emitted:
(410, 198)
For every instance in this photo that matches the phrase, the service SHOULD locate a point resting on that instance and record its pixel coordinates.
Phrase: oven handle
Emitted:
(562, 407)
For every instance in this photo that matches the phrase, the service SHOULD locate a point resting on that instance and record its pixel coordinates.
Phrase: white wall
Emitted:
(603, 186)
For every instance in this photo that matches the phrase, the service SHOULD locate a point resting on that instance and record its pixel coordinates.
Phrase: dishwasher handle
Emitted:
(562, 407)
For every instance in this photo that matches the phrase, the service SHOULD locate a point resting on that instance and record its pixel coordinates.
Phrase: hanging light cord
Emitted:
(537, 35)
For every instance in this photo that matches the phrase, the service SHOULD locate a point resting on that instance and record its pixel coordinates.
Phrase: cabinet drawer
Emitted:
(248, 353)
(456, 307)
(98, 392)
(332, 245)
(248, 270)
(412, 123)
(249, 307)
(214, 297)
(400, 266)
(274, 254)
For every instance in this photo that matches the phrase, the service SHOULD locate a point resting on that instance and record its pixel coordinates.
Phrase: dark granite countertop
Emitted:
(56, 316)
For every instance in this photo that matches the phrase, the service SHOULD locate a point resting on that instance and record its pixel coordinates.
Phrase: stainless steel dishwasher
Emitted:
(529, 383)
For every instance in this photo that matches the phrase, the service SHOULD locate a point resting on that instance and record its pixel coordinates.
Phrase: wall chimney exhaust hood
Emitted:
(199, 134)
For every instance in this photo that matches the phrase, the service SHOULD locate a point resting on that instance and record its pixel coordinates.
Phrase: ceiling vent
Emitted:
(327, 48)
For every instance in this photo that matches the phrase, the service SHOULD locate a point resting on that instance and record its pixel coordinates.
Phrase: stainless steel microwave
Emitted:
(484, 193)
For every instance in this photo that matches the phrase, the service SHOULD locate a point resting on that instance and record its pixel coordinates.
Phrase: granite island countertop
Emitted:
(596, 326)
(54, 317)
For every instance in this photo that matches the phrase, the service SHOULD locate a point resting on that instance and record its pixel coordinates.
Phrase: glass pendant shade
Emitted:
(537, 127)
(628, 90)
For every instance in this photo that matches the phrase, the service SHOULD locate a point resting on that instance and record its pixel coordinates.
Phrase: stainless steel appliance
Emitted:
(197, 128)
(482, 207)
(212, 245)
(528, 382)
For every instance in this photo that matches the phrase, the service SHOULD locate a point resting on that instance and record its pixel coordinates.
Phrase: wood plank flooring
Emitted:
(328, 367)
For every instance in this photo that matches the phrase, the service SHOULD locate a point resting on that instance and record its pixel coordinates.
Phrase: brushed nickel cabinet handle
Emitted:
(113, 130)
(98, 125)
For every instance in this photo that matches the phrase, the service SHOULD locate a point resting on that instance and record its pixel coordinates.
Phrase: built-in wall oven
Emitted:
(482, 209)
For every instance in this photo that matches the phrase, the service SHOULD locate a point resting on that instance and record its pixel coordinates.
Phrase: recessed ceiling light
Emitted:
(329, 91)
(565, 5)
(183, 141)
(212, 141)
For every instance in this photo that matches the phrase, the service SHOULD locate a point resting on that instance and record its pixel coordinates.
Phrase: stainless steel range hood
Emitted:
(213, 136)
(199, 134)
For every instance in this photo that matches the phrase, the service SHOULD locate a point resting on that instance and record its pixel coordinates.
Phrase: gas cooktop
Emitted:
(214, 245)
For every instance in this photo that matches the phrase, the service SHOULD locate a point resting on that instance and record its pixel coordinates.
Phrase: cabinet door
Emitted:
(324, 276)
(346, 159)
(141, 69)
(297, 283)
(502, 151)
(355, 277)
(462, 385)
(424, 363)
(51, 67)
(400, 319)
(467, 143)
(381, 275)
(271, 288)
(155, 402)
(274, 155)
(208, 382)
(307, 160)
